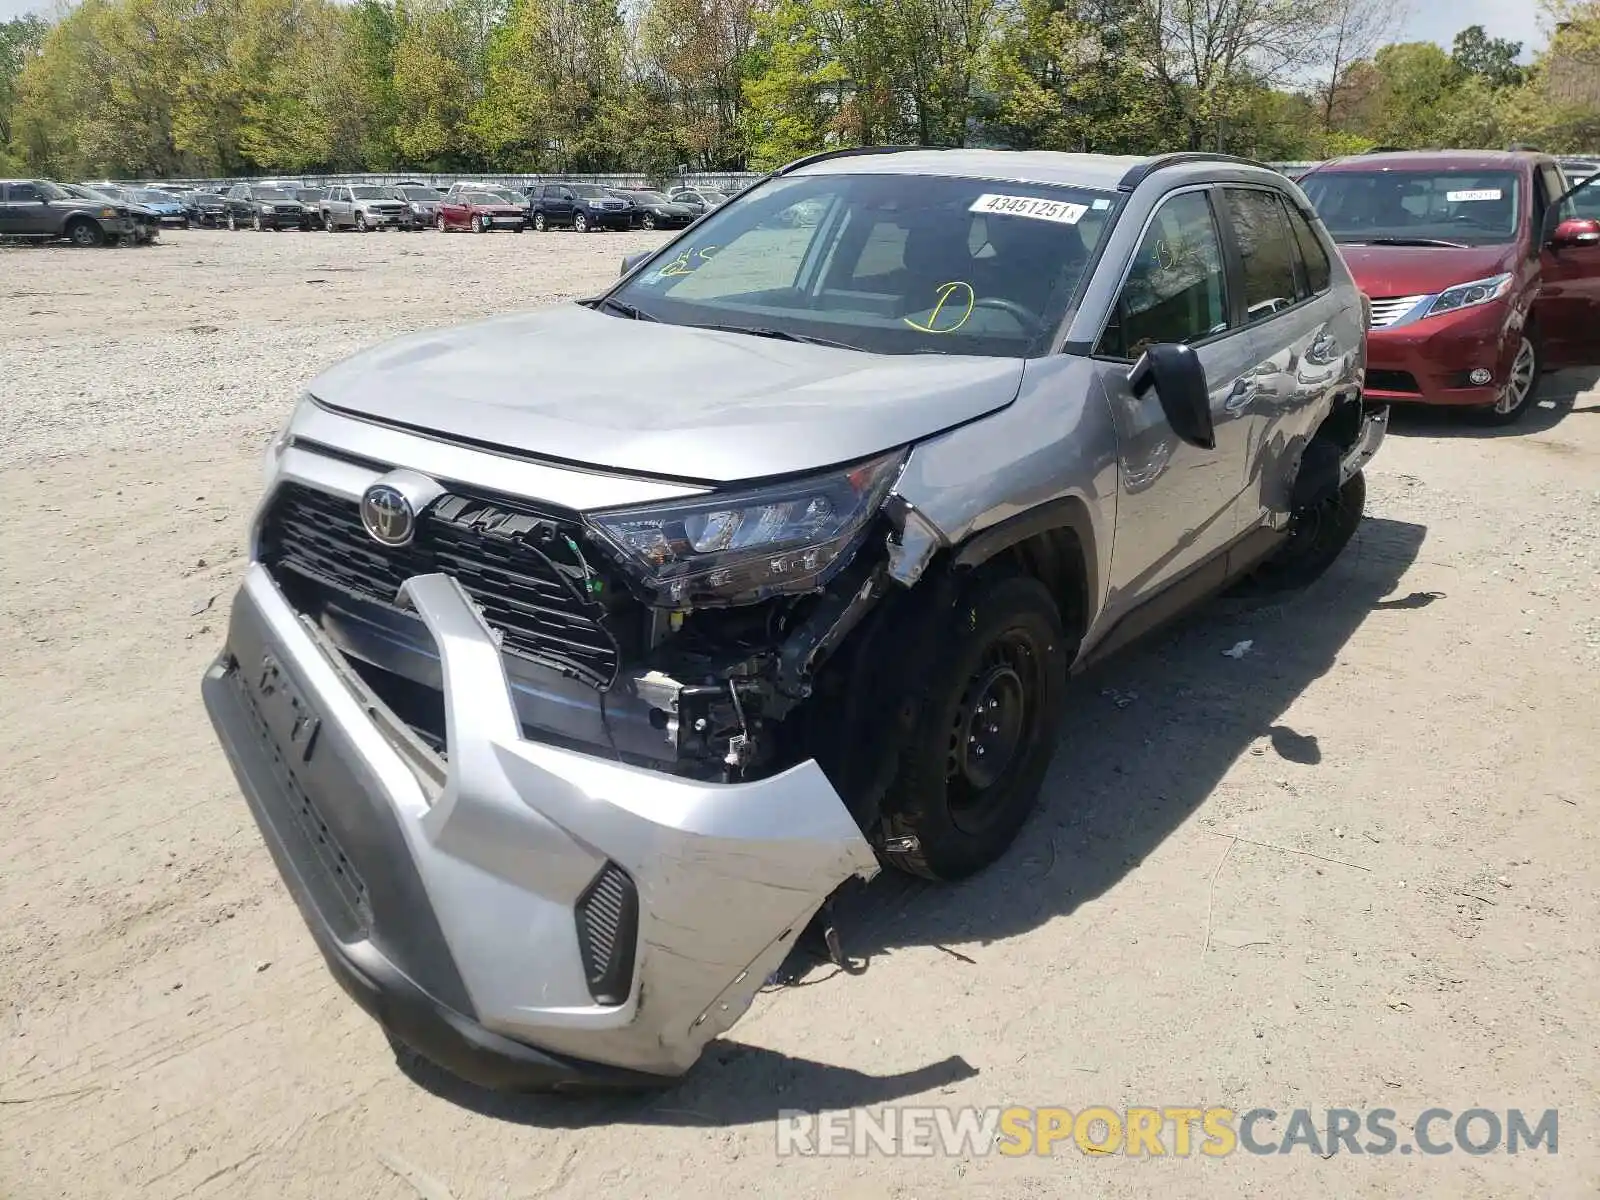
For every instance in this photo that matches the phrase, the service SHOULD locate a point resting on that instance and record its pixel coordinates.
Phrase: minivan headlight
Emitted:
(739, 547)
(1469, 295)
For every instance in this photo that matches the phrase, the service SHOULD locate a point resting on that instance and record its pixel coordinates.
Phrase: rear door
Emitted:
(1568, 308)
(1177, 503)
(565, 206)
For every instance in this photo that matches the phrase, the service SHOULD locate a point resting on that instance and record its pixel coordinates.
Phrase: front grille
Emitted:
(286, 209)
(1392, 381)
(608, 927)
(1386, 310)
(507, 556)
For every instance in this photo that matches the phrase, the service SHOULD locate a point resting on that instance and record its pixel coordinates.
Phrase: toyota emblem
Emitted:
(387, 515)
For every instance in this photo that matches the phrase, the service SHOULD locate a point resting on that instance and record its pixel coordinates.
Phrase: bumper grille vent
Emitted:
(608, 930)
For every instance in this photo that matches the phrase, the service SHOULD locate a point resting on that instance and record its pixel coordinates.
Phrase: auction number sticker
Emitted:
(1479, 194)
(1058, 211)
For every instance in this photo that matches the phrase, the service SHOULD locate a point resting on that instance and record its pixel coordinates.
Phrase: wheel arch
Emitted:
(1055, 543)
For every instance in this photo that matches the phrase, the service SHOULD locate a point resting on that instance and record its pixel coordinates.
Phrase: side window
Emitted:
(1176, 289)
(1266, 249)
(1318, 270)
(24, 193)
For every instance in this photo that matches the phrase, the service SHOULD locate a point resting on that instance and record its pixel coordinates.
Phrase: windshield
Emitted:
(488, 198)
(883, 263)
(371, 193)
(589, 191)
(713, 197)
(1474, 208)
(420, 193)
(271, 194)
(311, 194)
(205, 197)
(651, 198)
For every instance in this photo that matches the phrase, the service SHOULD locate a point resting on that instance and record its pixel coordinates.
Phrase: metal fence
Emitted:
(728, 181)
(723, 181)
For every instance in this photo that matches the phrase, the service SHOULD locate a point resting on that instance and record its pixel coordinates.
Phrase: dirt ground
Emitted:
(1354, 868)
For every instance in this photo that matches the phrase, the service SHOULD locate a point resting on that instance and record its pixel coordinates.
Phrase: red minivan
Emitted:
(1481, 268)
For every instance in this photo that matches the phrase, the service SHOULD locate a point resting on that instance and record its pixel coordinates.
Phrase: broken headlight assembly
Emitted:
(742, 546)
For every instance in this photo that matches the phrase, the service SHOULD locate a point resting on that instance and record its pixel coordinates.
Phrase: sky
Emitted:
(1426, 20)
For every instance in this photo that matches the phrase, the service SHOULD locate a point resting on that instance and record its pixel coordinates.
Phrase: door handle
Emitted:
(1241, 397)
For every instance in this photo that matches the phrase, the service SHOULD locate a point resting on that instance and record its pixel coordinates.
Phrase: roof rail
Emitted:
(1516, 147)
(1142, 171)
(847, 152)
(1387, 150)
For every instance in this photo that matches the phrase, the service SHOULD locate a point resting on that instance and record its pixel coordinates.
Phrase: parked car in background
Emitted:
(208, 209)
(580, 206)
(652, 210)
(506, 195)
(422, 200)
(627, 198)
(557, 839)
(1481, 270)
(168, 208)
(310, 199)
(698, 200)
(365, 207)
(39, 210)
(481, 212)
(259, 206)
(145, 225)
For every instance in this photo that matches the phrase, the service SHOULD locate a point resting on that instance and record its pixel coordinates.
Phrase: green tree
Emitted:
(20, 40)
(1492, 60)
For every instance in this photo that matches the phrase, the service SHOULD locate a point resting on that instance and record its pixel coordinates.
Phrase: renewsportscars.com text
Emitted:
(1162, 1131)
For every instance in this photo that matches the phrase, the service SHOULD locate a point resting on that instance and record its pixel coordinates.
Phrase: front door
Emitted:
(1568, 308)
(1177, 503)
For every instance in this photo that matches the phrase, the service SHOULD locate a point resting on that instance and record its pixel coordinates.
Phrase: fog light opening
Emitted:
(1480, 377)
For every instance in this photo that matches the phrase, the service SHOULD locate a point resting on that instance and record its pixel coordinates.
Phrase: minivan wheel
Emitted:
(84, 232)
(1317, 536)
(984, 732)
(1521, 388)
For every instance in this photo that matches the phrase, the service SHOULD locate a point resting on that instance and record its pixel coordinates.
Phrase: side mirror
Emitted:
(1179, 378)
(633, 260)
(1579, 231)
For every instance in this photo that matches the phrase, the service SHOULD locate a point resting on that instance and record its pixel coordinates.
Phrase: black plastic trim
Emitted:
(1067, 513)
(1138, 173)
(608, 953)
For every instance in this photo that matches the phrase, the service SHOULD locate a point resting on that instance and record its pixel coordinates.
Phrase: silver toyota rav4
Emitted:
(584, 653)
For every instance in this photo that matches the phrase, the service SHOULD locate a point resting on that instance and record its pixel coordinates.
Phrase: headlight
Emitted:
(1467, 295)
(108, 212)
(738, 547)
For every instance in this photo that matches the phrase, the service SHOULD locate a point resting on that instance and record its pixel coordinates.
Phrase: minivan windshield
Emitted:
(882, 263)
(1469, 208)
(590, 191)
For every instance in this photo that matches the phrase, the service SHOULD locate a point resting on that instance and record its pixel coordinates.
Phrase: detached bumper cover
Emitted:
(444, 896)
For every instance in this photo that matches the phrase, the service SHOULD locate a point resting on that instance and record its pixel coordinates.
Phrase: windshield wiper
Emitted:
(782, 335)
(626, 310)
(1415, 241)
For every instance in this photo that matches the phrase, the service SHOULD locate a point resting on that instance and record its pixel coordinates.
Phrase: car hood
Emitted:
(665, 400)
(1422, 270)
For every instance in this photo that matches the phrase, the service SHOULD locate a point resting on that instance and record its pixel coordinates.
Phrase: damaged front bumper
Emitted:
(527, 916)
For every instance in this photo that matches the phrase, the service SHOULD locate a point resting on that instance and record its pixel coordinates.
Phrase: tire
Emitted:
(84, 232)
(539, 225)
(648, 221)
(255, 222)
(233, 223)
(1521, 392)
(438, 223)
(1317, 536)
(327, 224)
(361, 223)
(580, 224)
(984, 731)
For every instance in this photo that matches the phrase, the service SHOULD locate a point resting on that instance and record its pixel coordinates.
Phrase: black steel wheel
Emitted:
(984, 733)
